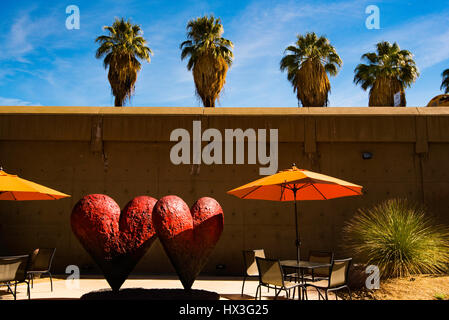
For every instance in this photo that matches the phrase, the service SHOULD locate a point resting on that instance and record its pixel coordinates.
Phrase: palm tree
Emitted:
(445, 82)
(389, 70)
(210, 56)
(307, 63)
(121, 50)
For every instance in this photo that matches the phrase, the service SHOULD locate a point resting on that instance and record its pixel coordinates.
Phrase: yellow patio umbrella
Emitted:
(296, 184)
(14, 188)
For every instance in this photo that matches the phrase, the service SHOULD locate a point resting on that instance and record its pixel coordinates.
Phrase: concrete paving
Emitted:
(229, 288)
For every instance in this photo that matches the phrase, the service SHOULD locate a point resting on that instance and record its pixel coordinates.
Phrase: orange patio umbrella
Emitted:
(297, 184)
(14, 188)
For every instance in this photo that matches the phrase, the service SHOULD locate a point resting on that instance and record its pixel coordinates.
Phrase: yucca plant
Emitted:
(398, 237)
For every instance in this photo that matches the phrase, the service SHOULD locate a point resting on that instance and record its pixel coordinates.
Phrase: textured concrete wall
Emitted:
(124, 152)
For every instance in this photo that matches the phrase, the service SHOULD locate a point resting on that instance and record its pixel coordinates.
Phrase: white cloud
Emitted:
(16, 102)
(25, 35)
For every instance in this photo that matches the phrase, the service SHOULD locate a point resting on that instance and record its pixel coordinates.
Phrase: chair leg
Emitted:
(350, 295)
(276, 293)
(305, 293)
(9, 288)
(319, 294)
(51, 281)
(243, 285)
(32, 280)
(294, 292)
(327, 297)
(28, 290)
(257, 292)
(15, 290)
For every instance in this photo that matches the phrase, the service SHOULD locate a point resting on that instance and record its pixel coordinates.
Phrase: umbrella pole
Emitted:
(298, 242)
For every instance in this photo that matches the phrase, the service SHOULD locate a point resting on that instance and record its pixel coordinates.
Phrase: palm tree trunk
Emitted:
(117, 102)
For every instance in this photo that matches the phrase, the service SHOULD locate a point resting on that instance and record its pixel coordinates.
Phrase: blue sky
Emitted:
(43, 63)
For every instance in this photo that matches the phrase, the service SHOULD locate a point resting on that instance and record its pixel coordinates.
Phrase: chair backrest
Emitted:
(249, 259)
(270, 271)
(14, 268)
(323, 257)
(339, 272)
(41, 259)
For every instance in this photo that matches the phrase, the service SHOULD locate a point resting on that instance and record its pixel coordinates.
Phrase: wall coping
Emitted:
(225, 111)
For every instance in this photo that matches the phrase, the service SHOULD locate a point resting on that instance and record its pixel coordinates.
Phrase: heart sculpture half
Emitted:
(188, 235)
(115, 240)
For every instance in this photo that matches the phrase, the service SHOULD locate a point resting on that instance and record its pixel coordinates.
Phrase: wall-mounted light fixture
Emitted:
(367, 155)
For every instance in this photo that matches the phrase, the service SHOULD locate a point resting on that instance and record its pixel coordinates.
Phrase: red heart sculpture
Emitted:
(115, 240)
(188, 235)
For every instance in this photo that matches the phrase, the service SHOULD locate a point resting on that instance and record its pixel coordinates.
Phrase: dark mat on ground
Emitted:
(151, 294)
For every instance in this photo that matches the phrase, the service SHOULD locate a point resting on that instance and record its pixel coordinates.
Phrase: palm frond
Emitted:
(445, 82)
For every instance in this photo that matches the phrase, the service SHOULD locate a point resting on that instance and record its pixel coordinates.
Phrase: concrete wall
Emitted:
(124, 152)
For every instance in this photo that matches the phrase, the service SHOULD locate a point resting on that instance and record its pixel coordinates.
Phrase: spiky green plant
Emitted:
(398, 237)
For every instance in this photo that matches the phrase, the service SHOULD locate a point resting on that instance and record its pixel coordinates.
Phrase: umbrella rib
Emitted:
(319, 191)
(250, 192)
(285, 186)
(282, 191)
(351, 190)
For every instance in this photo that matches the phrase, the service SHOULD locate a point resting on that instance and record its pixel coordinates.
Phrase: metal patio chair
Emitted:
(319, 273)
(338, 279)
(13, 270)
(41, 264)
(249, 261)
(315, 274)
(271, 276)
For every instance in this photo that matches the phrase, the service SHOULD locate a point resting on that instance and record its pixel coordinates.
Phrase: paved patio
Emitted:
(229, 288)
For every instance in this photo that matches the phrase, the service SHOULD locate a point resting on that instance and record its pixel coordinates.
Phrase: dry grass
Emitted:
(419, 287)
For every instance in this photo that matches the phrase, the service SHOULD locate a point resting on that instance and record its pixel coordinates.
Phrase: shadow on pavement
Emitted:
(151, 294)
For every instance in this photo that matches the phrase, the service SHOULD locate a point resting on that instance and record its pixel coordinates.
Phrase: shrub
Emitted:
(440, 296)
(399, 238)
